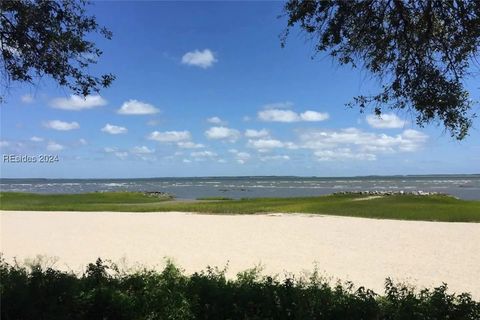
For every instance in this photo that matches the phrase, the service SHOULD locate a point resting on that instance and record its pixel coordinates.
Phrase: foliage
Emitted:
(420, 50)
(104, 292)
(405, 207)
(45, 37)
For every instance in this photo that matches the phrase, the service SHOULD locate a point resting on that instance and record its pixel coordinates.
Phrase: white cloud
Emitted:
(314, 116)
(112, 129)
(36, 139)
(277, 115)
(276, 157)
(53, 146)
(119, 154)
(142, 150)
(353, 143)
(203, 59)
(135, 107)
(186, 161)
(265, 144)
(223, 133)
(61, 125)
(350, 144)
(189, 145)
(76, 103)
(241, 157)
(82, 142)
(170, 136)
(388, 120)
(251, 133)
(343, 154)
(26, 98)
(282, 115)
(198, 155)
(4, 143)
(412, 140)
(216, 120)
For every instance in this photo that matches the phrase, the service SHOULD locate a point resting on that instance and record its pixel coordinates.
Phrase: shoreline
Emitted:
(364, 251)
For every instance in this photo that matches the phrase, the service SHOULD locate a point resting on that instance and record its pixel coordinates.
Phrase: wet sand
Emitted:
(364, 251)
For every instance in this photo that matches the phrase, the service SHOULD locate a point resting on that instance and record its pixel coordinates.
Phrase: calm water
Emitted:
(461, 186)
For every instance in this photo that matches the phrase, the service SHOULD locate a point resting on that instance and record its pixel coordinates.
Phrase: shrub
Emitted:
(103, 292)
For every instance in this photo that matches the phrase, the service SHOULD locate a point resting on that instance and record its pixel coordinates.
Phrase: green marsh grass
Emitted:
(404, 207)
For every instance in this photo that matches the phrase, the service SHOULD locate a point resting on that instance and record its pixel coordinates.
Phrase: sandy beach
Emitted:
(365, 251)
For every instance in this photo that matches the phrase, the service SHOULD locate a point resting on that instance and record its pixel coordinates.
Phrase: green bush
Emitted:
(104, 292)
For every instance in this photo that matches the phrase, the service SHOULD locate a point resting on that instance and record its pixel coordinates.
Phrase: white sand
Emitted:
(365, 251)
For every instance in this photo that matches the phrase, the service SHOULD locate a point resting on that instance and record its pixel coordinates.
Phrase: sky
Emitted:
(205, 89)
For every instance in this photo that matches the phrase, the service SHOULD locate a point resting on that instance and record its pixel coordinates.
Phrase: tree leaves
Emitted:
(420, 50)
(42, 37)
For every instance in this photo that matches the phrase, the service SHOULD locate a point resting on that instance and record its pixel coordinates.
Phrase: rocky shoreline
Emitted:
(159, 194)
(392, 193)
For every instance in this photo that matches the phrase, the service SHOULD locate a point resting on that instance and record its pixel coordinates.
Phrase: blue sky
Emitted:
(205, 89)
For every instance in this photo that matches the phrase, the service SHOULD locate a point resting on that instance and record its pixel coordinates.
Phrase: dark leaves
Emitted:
(419, 49)
(39, 38)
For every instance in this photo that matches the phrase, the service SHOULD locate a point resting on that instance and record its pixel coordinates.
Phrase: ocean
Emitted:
(461, 186)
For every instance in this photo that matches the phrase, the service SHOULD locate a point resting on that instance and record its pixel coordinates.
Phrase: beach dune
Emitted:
(364, 251)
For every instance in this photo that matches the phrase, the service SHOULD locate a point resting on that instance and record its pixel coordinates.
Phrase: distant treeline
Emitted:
(105, 292)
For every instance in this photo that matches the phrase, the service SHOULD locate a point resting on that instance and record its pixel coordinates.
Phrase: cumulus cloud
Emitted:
(170, 136)
(202, 59)
(82, 142)
(135, 107)
(385, 121)
(282, 115)
(117, 153)
(53, 146)
(26, 98)
(77, 103)
(222, 133)
(252, 133)
(61, 125)
(216, 120)
(277, 115)
(203, 155)
(36, 139)
(341, 145)
(314, 116)
(142, 150)
(189, 145)
(343, 154)
(352, 143)
(112, 129)
(262, 144)
(240, 156)
(276, 157)
(412, 140)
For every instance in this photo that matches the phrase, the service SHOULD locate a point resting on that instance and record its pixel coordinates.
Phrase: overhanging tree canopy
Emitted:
(422, 50)
(45, 37)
